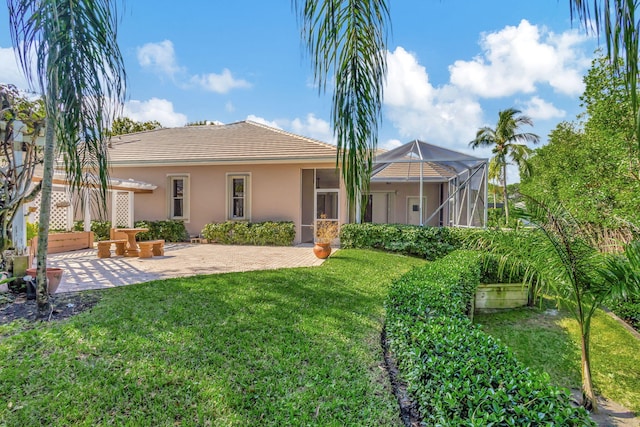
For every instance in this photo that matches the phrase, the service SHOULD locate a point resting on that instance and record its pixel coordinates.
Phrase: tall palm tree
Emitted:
(347, 43)
(80, 71)
(509, 145)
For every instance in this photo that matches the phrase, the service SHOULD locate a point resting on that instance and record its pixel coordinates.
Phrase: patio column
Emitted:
(87, 210)
(19, 226)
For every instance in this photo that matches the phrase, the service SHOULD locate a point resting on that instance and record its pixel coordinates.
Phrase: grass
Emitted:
(272, 348)
(550, 342)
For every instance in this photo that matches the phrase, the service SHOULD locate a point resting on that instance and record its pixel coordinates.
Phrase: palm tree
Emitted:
(508, 145)
(557, 255)
(347, 44)
(80, 72)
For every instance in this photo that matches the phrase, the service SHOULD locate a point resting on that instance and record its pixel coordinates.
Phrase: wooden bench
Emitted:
(104, 247)
(151, 248)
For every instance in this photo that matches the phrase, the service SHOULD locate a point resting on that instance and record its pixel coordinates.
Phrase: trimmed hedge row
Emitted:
(268, 233)
(168, 230)
(425, 242)
(458, 375)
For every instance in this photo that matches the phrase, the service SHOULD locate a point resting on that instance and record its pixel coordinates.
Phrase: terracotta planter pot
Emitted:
(54, 277)
(322, 250)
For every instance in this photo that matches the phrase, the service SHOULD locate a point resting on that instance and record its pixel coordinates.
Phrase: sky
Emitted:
(452, 66)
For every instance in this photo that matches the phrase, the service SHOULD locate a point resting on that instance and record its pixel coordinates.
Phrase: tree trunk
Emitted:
(42, 294)
(504, 194)
(589, 401)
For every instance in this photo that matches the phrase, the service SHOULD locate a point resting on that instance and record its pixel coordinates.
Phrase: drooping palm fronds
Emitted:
(347, 43)
(80, 71)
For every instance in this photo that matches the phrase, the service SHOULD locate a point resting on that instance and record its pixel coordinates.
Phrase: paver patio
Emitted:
(83, 270)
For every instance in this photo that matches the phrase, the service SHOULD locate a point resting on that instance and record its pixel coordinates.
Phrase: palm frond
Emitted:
(347, 43)
(80, 71)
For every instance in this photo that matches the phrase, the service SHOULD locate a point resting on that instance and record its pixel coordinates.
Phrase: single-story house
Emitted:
(247, 171)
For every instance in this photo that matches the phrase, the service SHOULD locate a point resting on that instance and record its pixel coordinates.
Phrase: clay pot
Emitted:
(54, 277)
(322, 250)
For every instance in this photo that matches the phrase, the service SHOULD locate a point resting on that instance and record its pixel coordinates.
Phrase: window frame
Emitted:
(246, 176)
(186, 185)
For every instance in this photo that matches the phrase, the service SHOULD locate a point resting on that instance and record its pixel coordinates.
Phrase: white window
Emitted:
(179, 197)
(238, 201)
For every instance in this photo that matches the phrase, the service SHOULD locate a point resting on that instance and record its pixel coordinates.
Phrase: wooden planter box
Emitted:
(497, 296)
(65, 242)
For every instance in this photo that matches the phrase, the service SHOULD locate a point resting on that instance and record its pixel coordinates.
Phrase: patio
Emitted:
(83, 270)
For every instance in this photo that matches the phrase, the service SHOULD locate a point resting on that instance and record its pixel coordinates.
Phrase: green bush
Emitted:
(628, 310)
(425, 242)
(167, 230)
(100, 229)
(458, 375)
(268, 233)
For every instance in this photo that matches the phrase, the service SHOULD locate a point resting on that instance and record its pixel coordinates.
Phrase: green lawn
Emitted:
(277, 348)
(551, 343)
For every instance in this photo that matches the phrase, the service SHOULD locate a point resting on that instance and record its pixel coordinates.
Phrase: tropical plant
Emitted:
(508, 146)
(80, 71)
(558, 254)
(347, 44)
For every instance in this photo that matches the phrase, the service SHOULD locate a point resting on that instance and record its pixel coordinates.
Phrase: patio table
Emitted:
(132, 249)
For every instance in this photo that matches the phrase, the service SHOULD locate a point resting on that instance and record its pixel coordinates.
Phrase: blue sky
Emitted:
(453, 64)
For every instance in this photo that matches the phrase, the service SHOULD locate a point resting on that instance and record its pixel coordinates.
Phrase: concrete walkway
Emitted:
(83, 270)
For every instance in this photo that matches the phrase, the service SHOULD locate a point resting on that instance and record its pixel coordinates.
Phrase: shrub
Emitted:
(100, 229)
(458, 375)
(628, 310)
(268, 233)
(168, 230)
(425, 242)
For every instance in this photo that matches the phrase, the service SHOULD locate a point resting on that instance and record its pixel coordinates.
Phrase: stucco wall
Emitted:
(275, 192)
(402, 191)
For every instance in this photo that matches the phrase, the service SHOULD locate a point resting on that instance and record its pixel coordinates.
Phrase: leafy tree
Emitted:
(79, 69)
(16, 173)
(124, 125)
(591, 166)
(508, 145)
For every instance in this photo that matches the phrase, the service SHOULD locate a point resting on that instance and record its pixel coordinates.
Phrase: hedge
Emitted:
(268, 233)
(168, 230)
(426, 242)
(458, 375)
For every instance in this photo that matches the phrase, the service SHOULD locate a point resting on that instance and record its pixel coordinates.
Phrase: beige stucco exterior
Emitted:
(402, 193)
(274, 194)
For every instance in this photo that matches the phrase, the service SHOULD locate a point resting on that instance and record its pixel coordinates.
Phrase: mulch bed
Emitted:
(18, 307)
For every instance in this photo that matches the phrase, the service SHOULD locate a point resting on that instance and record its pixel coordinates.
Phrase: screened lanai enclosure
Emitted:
(423, 184)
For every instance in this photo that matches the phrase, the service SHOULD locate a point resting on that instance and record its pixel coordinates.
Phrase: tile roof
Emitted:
(240, 142)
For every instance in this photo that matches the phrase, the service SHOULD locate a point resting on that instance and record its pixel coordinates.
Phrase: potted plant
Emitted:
(326, 232)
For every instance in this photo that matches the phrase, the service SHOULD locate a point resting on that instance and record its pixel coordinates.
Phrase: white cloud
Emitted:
(154, 109)
(159, 58)
(444, 115)
(264, 121)
(538, 108)
(516, 59)
(10, 73)
(390, 144)
(313, 127)
(220, 83)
